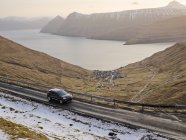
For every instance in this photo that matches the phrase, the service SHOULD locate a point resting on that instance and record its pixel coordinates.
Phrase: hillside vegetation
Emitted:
(17, 131)
(160, 78)
(23, 63)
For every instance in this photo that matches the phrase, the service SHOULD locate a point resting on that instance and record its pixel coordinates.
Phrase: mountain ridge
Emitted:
(120, 26)
(20, 23)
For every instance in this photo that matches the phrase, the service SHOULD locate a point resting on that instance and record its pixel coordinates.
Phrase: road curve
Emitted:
(173, 129)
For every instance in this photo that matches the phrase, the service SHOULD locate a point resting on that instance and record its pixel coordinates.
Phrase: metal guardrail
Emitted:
(92, 98)
(45, 88)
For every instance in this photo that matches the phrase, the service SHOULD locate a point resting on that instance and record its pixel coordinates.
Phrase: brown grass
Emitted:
(168, 85)
(16, 131)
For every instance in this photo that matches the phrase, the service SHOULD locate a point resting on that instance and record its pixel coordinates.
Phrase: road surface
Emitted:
(169, 125)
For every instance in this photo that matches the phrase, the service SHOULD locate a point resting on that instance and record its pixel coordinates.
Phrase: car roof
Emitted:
(56, 89)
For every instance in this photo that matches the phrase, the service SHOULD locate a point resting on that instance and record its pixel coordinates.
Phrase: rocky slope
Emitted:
(53, 26)
(169, 30)
(117, 25)
(23, 63)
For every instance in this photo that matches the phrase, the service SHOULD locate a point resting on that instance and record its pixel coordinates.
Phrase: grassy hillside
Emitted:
(23, 63)
(170, 64)
(17, 131)
(169, 30)
(160, 78)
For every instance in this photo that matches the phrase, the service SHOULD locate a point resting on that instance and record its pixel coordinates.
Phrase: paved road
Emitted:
(174, 128)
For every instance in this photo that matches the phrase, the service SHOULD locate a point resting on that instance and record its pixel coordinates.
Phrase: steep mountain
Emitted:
(23, 63)
(142, 18)
(53, 26)
(169, 30)
(175, 4)
(17, 23)
(117, 25)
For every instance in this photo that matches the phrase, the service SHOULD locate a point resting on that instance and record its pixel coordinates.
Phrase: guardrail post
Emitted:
(142, 108)
(17, 82)
(6, 81)
(114, 103)
(175, 108)
(28, 85)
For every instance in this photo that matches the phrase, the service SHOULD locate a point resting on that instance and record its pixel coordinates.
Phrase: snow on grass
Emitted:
(59, 123)
(4, 136)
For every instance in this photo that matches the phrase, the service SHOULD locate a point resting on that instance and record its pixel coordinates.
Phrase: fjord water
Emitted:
(87, 53)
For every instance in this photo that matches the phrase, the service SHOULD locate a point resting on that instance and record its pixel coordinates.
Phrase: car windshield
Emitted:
(62, 93)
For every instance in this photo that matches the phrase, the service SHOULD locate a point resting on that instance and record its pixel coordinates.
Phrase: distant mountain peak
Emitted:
(54, 25)
(58, 17)
(75, 14)
(176, 4)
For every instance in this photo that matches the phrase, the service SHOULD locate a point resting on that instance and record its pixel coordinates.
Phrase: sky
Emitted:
(37, 8)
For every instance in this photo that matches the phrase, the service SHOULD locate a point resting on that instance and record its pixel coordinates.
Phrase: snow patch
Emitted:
(58, 123)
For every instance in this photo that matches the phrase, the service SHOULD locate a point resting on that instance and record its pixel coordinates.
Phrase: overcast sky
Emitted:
(35, 8)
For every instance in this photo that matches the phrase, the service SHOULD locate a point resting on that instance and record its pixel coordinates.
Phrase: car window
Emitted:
(62, 93)
(52, 93)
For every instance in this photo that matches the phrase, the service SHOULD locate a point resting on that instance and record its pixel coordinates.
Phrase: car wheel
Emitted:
(61, 101)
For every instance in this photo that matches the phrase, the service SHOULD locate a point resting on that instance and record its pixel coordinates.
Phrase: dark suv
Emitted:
(59, 95)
